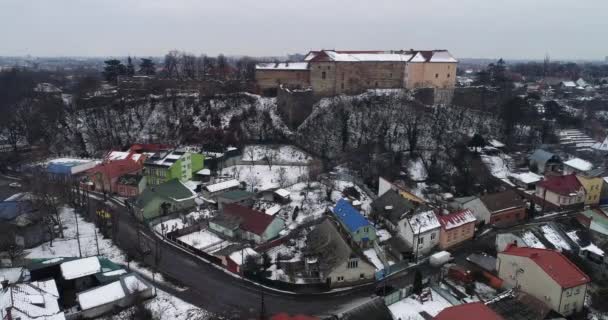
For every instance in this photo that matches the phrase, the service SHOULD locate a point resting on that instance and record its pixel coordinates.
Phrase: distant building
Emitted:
(546, 275)
(331, 72)
(65, 168)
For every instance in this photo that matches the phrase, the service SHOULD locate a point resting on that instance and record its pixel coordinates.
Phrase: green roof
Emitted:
(597, 217)
(236, 195)
(172, 189)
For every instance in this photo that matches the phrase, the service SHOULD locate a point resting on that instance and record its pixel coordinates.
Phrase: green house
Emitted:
(176, 164)
(164, 198)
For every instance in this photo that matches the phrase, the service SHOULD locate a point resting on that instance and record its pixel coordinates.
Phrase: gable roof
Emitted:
(80, 268)
(236, 195)
(579, 164)
(392, 205)
(423, 222)
(466, 311)
(432, 56)
(349, 216)
(541, 156)
(373, 309)
(456, 219)
(564, 185)
(555, 264)
(250, 220)
(502, 201)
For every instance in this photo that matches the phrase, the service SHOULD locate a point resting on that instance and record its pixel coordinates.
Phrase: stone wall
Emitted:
(268, 79)
(294, 106)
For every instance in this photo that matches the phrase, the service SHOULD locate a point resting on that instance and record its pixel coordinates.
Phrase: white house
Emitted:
(421, 232)
(577, 165)
(546, 275)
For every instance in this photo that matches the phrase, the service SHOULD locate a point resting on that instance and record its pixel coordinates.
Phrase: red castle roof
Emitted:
(555, 264)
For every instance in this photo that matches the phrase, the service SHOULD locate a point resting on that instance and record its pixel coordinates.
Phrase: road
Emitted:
(215, 290)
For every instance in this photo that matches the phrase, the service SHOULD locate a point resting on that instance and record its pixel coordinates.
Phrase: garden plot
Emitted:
(264, 177)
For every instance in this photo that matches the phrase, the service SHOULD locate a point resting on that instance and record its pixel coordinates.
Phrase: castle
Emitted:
(331, 72)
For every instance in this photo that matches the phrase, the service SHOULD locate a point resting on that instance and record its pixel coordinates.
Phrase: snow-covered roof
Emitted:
(35, 300)
(495, 143)
(240, 256)
(424, 221)
(282, 66)
(457, 219)
(101, 295)
(80, 268)
(117, 155)
(527, 177)
(579, 164)
(282, 193)
(569, 84)
(223, 185)
(362, 57)
(273, 210)
(204, 172)
(601, 146)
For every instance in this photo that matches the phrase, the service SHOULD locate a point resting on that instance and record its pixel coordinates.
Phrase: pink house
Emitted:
(456, 227)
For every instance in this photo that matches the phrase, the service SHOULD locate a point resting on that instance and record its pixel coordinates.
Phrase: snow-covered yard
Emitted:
(410, 308)
(200, 239)
(182, 222)
(497, 166)
(263, 177)
(167, 305)
(280, 153)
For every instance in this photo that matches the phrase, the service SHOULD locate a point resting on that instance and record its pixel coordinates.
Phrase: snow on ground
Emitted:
(366, 201)
(591, 247)
(263, 177)
(417, 171)
(497, 165)
(373, 258)
(532, 241)
(555, 239)
(410, 308)
(383, 235)
(201, 239)
(182, 222)
(281, 153)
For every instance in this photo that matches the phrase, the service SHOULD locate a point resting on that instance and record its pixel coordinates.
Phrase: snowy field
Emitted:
(171, 307)
(263, 177)
(281, 153)
(410, 308)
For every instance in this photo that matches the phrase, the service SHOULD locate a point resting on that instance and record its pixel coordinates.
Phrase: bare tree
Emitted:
(282, 177)
(48, 196)
(270, 157)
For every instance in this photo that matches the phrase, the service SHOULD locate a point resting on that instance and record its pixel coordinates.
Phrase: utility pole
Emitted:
(262, 307)
(78, 235)
(96, 240)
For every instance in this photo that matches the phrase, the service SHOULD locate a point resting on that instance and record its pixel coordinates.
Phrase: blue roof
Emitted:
(349, 216)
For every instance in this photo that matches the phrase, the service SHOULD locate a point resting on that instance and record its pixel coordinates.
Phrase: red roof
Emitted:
(251, 220)
(468, 311)
(564, 185)
(116, 168)
(285, 316)
(456, 219)
(555, 264)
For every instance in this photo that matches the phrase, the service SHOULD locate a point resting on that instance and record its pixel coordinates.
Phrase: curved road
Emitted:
(214, 290)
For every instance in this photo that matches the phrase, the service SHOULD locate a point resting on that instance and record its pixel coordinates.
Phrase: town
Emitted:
(332, 184)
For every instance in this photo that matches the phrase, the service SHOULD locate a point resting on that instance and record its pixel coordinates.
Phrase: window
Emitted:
(577, 291)
(366, 229)
(376, 84)
(568, 293)
(340, 279)
(354, 263)
(362, 276)
(574, 305)
(390, 75)
(323, 75)
(436, 75)
(328, 67)
(566, 306)
(448, 75)
(433, 236)
(420, 240)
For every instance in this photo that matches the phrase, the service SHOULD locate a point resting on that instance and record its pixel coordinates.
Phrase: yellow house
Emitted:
(592, 181)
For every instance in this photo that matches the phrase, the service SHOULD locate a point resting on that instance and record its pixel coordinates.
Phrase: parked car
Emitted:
(14, 185)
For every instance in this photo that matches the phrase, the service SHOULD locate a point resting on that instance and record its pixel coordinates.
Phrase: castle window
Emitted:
(448, 75)
(323, 75)
(436, 75)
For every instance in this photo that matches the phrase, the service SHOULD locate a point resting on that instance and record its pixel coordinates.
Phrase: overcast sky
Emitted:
(565, 29)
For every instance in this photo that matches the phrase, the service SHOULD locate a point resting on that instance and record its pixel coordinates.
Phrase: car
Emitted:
(14, 185)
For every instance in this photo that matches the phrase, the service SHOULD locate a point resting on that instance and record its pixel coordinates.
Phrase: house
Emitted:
(77, 274)
(282, 196)
(546, 275)
(567, 85)
(506, 208)
(577, 165)
(480, 211)
(593, 182)
(65, 168)
(172, 164)
(354, 223)
(237, 221)
(162, 199)
(241, 197)
(236, 259)
(456, 227)
(104, 299)
(115, 164)
(391, 208)
(526, 180)
(30, 301)
(467, 311)
(594, 219)
(130, 185)
(21, 223)
(332, 260)
(561, 191)
(421, 232)
(544, 161)
(372, 309)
